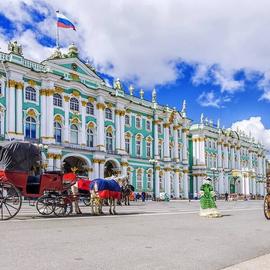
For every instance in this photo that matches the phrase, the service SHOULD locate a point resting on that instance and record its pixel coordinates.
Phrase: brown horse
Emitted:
(126, 192)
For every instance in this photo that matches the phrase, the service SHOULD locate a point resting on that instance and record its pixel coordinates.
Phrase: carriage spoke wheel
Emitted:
(10, 201)
(63, 206)
(267, 206)
(45, 205)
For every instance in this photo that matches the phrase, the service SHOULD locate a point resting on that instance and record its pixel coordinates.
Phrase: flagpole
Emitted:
(57, 34)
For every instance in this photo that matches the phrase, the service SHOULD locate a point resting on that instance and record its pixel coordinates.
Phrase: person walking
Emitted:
(143, 196)
(226, 196)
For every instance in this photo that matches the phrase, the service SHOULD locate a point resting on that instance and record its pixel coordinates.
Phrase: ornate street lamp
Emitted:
(154, 163)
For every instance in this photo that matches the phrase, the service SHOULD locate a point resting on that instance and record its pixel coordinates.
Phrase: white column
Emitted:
(226, 155)
(221, 184)
(19, 111)
(185, 146)
(250, 159)
(176, 184)
(58, 163)
(122, 130)
(247, 190)
(100, 124)
(232, 157)
(200, 182)
(43, 113)
(83, 127)
(185, 183)
(117, 130)
(202, 151)
(254, 186)
(101, 168)
(66, 127)
(156, 138)
(166, 141)
(238, 158)
(50, 162)
(50, 115)
(219, 155)
(167, 179)
(11, 109)
(175, 146)
(194, 151)
(198, 158)
(96, 169)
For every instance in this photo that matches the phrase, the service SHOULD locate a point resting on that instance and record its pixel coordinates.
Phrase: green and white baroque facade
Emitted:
(62, 103)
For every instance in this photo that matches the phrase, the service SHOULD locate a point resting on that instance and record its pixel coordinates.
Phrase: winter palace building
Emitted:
(81, 124)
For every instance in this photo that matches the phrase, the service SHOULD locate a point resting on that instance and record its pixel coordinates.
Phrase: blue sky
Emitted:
(212, 55)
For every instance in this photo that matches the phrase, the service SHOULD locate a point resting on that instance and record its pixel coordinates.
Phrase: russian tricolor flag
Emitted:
(64, 22)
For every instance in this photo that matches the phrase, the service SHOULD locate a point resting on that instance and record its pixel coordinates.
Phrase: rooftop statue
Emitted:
(56, 54)
(184, 108)
(154, 96)
(202, 118)
(118, 85)
(72, 51)
(15, 48)
(131, 89)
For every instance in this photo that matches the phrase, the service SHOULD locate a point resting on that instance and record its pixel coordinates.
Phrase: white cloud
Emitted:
(264, 84)
(141, 40)
(208, 99)
(256, 128)
(217, 76)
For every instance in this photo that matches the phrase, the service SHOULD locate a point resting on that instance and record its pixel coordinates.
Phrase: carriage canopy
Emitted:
(19, 156)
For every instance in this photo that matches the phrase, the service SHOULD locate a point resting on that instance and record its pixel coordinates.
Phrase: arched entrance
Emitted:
(75, 164)
(111, 167)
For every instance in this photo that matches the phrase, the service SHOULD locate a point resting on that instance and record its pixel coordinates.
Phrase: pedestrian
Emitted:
(207, 203)
(226, 196)
(143, 196)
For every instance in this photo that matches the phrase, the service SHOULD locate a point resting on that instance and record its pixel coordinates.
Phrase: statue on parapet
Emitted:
(15, 47)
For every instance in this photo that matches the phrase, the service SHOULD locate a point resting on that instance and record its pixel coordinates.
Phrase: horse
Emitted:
(112, 191)
(126, 192)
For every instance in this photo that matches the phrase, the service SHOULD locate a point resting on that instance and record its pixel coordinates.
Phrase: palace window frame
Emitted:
(148, 125)
(57, 132)
(30, 94)
(138, 122)
(74, 104)
(90, 108)
(127, 145)
(90, 137)
(108, 114)
(139, 181)
(138, 147)
(30, 128)
(109, 141)
(148, 149)
(127, 120)
(57, 100)
(74, 134)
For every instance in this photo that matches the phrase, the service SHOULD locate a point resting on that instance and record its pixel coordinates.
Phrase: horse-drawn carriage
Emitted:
(21, 175)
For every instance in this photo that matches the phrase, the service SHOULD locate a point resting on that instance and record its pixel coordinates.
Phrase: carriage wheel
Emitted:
(45, 205)
(63, 206)
(10, 201)
(87, 201)
(267, 206)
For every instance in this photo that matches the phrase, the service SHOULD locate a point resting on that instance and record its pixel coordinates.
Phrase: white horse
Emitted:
(97, 202)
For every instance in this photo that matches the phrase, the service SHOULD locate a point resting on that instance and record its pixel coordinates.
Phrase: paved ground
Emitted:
(143, 236)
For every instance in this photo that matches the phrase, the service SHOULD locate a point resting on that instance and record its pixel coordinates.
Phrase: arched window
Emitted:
(30, 128)
(127, 120)
(109, 141)
(90, 138)
(30, 93)
(139, 181)
(57, 132)
(138, 122)
(57, 100)
(148, 149)
(108, 114)
(148, 125)
(90, 108)
(74, 104)
(138, 147)
(127, 145)
(149, 180)
(74, 134)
